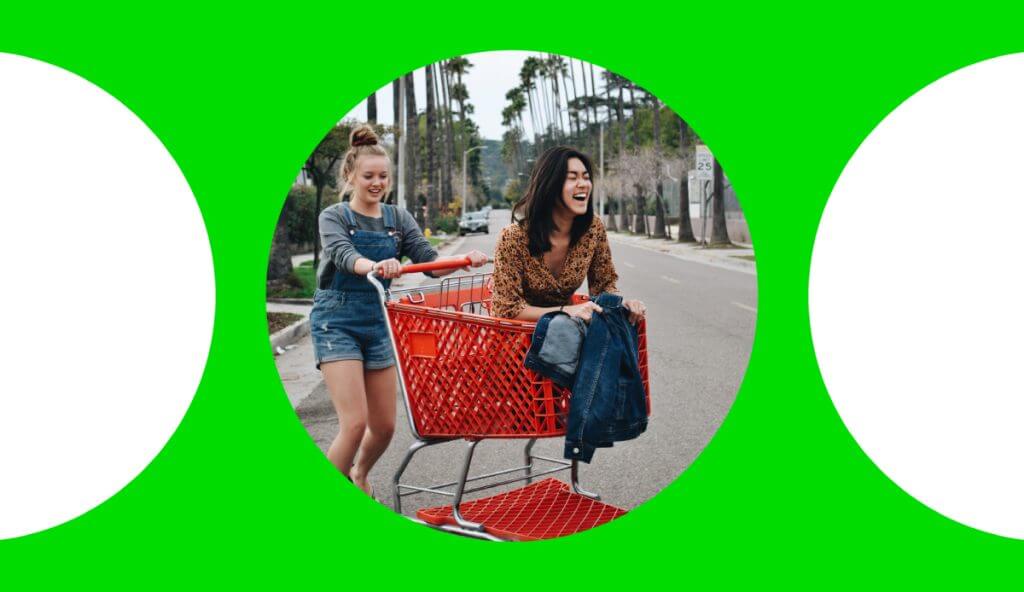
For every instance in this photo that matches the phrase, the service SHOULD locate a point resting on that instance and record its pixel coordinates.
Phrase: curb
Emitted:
(289, 335)
(723, 262)
(291, 300)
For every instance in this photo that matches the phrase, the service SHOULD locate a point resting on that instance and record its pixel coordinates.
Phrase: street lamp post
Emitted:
(465, 196)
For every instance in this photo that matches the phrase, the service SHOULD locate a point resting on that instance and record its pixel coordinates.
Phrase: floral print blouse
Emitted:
(520, 279)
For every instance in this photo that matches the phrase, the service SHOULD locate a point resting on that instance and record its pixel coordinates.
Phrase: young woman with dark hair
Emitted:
(554, 243)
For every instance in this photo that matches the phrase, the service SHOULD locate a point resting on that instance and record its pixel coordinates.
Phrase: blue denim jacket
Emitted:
(555, 349)
(608, 402)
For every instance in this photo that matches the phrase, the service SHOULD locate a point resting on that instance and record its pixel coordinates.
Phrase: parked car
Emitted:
(474, 222)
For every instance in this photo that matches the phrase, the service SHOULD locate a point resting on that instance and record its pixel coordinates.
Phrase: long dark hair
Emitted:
(543, 192)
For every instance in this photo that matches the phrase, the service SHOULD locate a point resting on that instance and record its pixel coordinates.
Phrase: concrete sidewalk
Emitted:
(737, 257)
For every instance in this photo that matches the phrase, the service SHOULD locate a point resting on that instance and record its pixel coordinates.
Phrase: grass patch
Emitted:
(279, 320)
(744, 257)
(300, 284)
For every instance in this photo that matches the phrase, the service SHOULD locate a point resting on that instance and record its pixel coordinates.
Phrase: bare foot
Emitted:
(360, 480)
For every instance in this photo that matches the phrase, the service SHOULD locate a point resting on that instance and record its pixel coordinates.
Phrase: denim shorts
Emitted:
(350, 325)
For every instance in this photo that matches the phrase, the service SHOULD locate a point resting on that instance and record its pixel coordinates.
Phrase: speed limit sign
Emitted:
(705, 163)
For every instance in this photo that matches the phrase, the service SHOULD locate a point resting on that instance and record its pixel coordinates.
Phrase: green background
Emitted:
(241, 495)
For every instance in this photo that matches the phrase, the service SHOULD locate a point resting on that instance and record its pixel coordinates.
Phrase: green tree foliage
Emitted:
(301, 213)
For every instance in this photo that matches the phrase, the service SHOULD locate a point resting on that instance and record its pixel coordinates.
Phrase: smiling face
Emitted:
(577, 187)
(370, 178)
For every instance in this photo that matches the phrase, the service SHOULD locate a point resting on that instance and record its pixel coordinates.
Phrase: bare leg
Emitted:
(344, 380)
(381, 387)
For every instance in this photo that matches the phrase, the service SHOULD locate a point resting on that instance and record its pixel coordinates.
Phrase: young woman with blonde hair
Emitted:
(348, 328)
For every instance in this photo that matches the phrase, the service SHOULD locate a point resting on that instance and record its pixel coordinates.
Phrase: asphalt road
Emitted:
(700, 331)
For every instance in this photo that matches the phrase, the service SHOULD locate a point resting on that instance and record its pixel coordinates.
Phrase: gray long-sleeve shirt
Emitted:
(340, 253)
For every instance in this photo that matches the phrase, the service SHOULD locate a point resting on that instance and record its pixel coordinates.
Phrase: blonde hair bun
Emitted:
(363, 135)
(362, 142)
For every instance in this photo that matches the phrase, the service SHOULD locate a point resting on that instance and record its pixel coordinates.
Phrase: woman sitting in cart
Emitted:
(350, 337)
(554, 244)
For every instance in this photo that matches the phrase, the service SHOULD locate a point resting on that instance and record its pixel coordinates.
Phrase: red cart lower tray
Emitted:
(543, 510)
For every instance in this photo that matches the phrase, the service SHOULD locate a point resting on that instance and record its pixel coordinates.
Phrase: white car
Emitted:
(474, 222)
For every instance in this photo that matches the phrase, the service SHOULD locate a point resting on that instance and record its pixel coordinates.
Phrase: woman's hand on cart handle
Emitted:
(387, 268)
(476, 259)
(439, 265)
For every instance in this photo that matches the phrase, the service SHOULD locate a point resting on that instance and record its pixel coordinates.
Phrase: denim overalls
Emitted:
(347, 322)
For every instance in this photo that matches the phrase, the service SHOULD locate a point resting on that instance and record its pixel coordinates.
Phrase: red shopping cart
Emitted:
(462, 377)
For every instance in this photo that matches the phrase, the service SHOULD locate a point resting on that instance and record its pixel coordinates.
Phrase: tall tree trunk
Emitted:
(319, 183)
(719, 232)
(612, 226)
(462, 116)
(411, 151)
(640, 224)
(623, 213)
(593, 91)
(685, 233)
(431, 212)
(636, 116)
(371, 108)
(545, 100)
(576, 98)
(280, 265)
(541, 119)
(396, 94)
(622, 126)
(569, 110)
(659, 188)
(449, 145)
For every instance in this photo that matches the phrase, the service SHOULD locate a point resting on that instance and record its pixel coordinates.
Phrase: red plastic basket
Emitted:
(464, 372)
(543, 510)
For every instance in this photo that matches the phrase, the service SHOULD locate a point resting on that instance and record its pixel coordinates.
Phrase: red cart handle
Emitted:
(436, 265)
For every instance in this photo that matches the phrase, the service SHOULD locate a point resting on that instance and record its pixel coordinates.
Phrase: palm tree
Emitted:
(659, 208)
(685, 232)
(556, 70)
(396, 96)
(280, 265)
(593, 90)
(576, 99)
(623, 213)
(619, 117)
(431, 148)
(719, 232)
(635, 116)
(459, 65)
(449, 136)
(371, 108)
(411, 141)
(527, 74)
(543, 97)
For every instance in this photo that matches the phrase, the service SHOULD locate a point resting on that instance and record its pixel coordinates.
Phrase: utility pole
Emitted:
(465, 195)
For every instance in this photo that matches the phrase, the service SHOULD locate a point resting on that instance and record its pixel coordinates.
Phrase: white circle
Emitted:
(108, 298)
(916, 300)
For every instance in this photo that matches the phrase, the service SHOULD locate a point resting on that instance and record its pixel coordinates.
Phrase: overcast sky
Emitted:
(493, 74)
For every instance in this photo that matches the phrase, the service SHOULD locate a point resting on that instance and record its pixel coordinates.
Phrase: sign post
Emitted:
(705, 173)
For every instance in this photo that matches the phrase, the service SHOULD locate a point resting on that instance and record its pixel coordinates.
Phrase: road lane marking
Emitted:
(668, 279)
(628, 264)
(745, 307)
